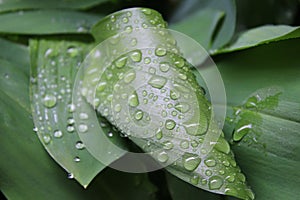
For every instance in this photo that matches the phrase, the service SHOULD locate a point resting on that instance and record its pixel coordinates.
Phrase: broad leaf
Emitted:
(12, 5)
(27, 171)
(145, 89)
(46, 22)
(200, 26)
(261, 35)
(264, 95)
(53, 70)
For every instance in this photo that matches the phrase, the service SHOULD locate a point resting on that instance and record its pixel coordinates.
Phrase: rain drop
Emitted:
(157, 82)
(79, 145)
(49, 101)
(191, 162)
(136, 56)
(215, 183)
(170, 124)
(82, 128)
(58, 134)
(162, 157)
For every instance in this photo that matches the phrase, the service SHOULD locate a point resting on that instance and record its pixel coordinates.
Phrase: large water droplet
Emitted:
(49, 101)
(160, 51)
(133, 100)
(210, 162)
(241, 132)
(162, 157)
(136, 56)
(121, 62)
(222, 145)
(230, 178)
(129, 77)
(58, 134)
(170, 124)
(157, 81)
(215, 182)
(191, 162)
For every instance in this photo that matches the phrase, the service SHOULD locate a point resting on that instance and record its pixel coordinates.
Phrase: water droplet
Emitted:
(138, 115)
(164, 66)
(49, 101)
(230, 178)
(174, 94)
(82, 128)
(146, 11)
(162, 157)
(125, 20)
(128, 29)
(35, 129)
(71, 107)
(241, 132)
(251, 102)
(112, 18)
(241, 177)
(231, 191)
(152, 70)
(83, 116)
(101, 86)
(110, 134)
(129, 77)
(194, 144)
(222, 145)
(70, 176)
(170, 124)
(157, 82)
(215, 183)
(210, 162)
(76, 159)
(159, 134)
(73, 52)
(70, 129)
(121, 62)
(182, 107)
(136, 56)
(184, 144)
(147, 60)
(226, 163)
(46, 139)
(182, 76)
(58, 134)
(168, 145)
(79, 145)
(195, 180)
(160, 51)
(133, 100)
(191, 162)
(71, 121)
(208, 172)
(179, 62)
(6, 75)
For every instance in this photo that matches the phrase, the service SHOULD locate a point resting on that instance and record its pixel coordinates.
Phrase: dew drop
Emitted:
(159, 135)
(58, 134)
(170, 124)
(101, 86)
(210, 162)
(71, 121)
(138, 115)
(168, 145)
(230, 178)
(195, 180)
(129, 77)
(136, 56)
(79, 145)
(49, 101)
(241, 132)
(179, 63)
(71, 107)
(76, 159)
(83, 116)
(164, 66)
(146, 11)
(82, 128)
(110, 134)
(121, 62)
(70, 176)
(182, 107)
(162, 157)
(184, 144)
(182, 76)
(70, 129)
(160, 51)
(133, 100)
(215, 183)
(147, 60)
(118, 108)
(157, 82)
(191, 162)
(174, 94)
(208, 172)
(46, 139)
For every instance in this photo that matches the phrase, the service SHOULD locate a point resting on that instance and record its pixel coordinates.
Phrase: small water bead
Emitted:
(215, 183)
(170, 105)
(73, 52)
(147, 60)
(231, 191)
(76, 159)
(79, 145)
(121, 62)
(241, 177)
(170, 124)
(110, 134)
(174, 113)
(162, 157)
(144, 93)
(182, 107)
(164, 66)
(159, 135)
(146, 11)
(230, 178)
(208, 172)
(82, 128)
(160, 51)
(129, 77)
(128, 29)
(133, 42)
(83, 116)
(136, 56)
(71, 108)
(191, 162)
(174, 94)
(168, 145)
(226, 163)
(184, 144)
(46, 138)
(164, 113)
(125, 19)
(145, 101)
(144, 25)
(221, 172)
(138, 115)
(133, 100)
(210, 162)
(112, 18)
(182, 76)
(241, 132)
(152, 70)
(70, 129)
(49, 101)
(118, 108)
(251, 102)
(195, 180)
(157, 82)
(57, 134)
(70, 176)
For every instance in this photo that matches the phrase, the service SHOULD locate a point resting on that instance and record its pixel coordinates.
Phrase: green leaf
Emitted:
(182, 190)
(261, 35)
(268, 151)
(46, 22)
(225, 31)
(200, 26)
(151, 104)
(53, 70)
(12, 5)
(27, 171)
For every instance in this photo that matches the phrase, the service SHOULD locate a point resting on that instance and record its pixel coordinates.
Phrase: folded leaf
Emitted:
(139, 81)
